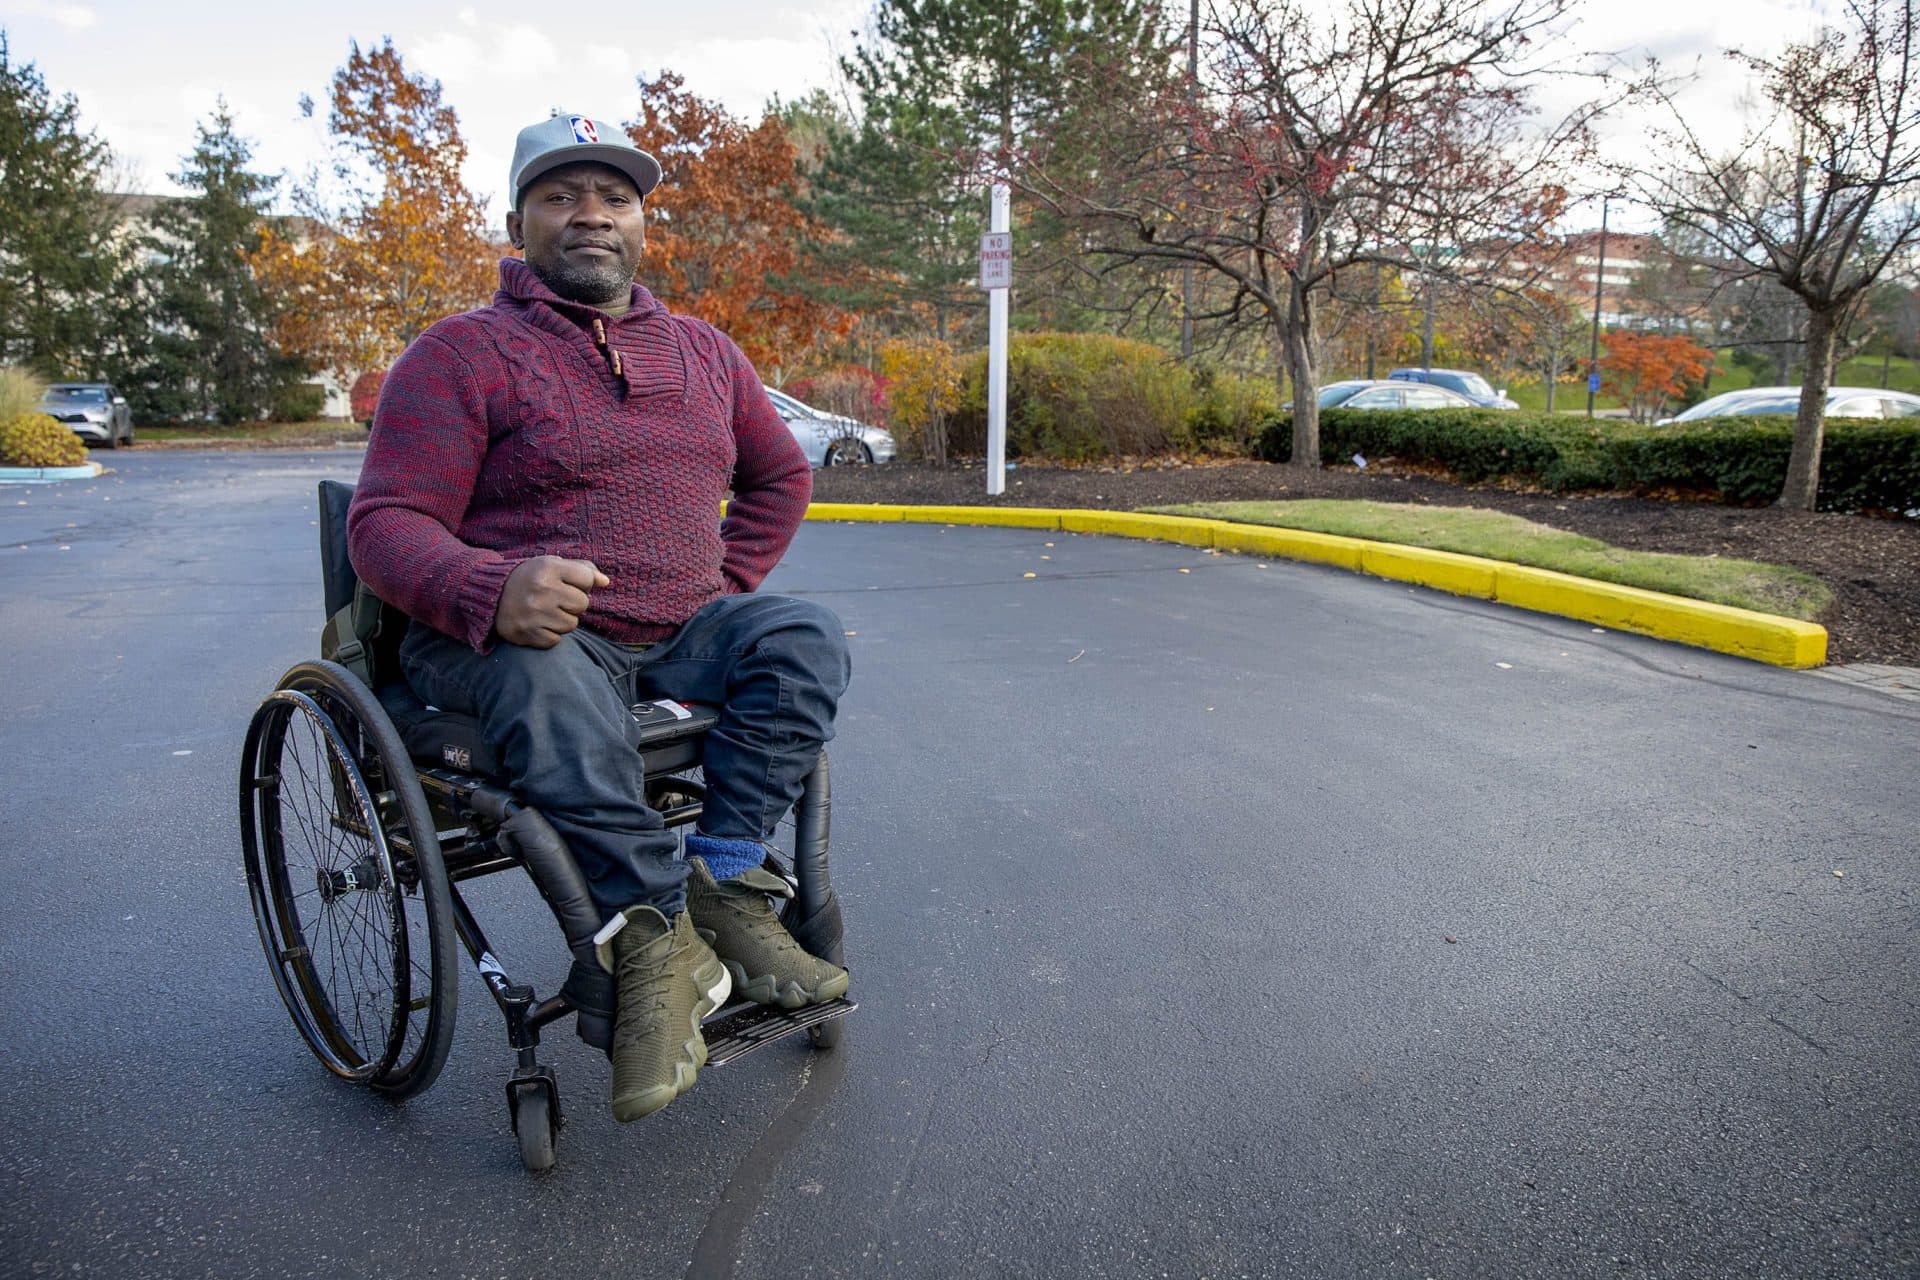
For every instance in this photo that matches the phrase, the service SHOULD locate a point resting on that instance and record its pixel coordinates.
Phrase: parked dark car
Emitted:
(1358, 393)
(1460, 382)
(97, 413)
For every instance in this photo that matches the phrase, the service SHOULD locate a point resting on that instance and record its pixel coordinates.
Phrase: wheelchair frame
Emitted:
(419, 830)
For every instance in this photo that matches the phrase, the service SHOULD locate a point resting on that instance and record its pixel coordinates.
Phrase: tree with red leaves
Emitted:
(1650, 369)
(399, 240)
(723, 233)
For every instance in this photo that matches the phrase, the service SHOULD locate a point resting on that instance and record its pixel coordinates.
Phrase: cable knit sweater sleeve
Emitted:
(429, 440)
(772, 481)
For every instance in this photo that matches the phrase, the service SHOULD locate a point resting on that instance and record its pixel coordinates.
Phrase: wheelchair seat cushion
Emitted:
(669, 733)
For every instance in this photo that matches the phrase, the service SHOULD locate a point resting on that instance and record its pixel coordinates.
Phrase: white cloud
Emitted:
(73, 17)
(611, 59)
(497, 54)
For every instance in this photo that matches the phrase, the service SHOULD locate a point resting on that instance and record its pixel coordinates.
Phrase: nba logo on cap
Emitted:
(583, 129)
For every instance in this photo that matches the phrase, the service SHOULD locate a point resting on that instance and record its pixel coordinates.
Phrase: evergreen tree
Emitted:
(208, 353)
(950, 90)
(59, 261)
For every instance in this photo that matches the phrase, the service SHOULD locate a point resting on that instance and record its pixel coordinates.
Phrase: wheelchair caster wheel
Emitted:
(535, 1106)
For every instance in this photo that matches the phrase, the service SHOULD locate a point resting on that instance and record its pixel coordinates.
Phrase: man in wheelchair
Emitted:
(540, 496)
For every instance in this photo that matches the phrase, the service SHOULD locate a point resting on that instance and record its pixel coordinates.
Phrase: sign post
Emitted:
(996, 277)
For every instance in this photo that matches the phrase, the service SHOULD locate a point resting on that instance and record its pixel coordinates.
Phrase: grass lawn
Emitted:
(1766, 588)
(255, 435)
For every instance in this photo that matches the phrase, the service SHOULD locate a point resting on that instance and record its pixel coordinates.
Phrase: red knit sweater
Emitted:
(539, 426)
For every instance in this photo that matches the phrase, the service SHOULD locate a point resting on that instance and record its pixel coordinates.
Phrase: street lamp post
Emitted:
(1599, 282)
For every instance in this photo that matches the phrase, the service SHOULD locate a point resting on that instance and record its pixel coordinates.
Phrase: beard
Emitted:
(592, 285)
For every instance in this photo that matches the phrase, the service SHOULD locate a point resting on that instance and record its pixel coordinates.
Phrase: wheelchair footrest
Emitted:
(739, 1029)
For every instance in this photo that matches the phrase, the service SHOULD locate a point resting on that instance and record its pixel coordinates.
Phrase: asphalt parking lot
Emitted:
(1209, 917)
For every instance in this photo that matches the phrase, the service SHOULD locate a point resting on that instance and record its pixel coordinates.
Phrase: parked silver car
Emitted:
(1842, 402)
(1384, 393)
(832, 439)
(97, 413)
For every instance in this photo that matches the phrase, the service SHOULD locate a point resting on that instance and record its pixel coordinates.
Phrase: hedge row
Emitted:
(1744, 460)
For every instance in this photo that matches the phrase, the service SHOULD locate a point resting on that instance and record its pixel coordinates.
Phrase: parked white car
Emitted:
(832, 439)
(1842, 402)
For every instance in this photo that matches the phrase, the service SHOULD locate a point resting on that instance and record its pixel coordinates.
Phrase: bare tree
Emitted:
(1822, 195)
(1397, 133)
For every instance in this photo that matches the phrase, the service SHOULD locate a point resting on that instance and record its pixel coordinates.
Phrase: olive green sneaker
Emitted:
(668, 981)
(736, 917)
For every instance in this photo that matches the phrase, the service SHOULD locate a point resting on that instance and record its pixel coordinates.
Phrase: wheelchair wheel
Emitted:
(536, 1127)
(349, 891)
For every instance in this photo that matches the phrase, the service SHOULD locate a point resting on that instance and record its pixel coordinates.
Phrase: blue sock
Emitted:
(725, 858)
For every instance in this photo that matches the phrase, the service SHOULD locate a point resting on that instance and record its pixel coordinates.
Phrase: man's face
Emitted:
(582, 231)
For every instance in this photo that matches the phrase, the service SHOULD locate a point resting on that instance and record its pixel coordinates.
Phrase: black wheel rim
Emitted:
(328, 899)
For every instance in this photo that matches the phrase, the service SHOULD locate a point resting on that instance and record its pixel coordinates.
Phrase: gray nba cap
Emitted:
(570, 139)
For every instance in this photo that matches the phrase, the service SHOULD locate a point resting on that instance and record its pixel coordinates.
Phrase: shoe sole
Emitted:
(715, 989)
(767, 989)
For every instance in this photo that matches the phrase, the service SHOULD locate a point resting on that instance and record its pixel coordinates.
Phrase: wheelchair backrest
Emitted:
(362, 631)
(337, 578)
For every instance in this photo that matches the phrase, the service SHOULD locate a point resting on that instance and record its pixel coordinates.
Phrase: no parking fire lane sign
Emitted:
(996, 260)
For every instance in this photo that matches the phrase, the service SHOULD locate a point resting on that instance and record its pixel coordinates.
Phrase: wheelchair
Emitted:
(363, 810)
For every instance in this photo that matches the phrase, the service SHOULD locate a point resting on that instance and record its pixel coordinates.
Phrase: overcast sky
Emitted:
(144, 73)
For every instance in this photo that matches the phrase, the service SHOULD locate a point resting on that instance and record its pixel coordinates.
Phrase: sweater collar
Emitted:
(521, 287)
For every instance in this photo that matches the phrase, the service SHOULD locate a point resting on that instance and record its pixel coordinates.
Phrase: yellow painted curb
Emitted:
(1442, 570)
(1290, 544)
(879, 512)
(1783, 642)
(1015, 517)
(1128, 524)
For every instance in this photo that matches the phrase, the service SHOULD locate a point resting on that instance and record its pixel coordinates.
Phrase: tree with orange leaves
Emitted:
(1649, 369)
(723, 241)
(402, 244)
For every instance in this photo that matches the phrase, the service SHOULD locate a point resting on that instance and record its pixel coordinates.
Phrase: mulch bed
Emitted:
(1872, 563)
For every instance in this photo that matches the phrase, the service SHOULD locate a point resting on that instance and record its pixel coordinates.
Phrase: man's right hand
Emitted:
(543, 600)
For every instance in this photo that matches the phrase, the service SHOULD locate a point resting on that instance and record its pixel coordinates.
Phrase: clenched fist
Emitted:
(543, 600)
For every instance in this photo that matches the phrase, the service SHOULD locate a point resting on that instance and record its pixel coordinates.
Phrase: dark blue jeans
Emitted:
(775, 666)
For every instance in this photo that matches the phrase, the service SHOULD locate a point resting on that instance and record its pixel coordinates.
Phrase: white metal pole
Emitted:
(997, 362)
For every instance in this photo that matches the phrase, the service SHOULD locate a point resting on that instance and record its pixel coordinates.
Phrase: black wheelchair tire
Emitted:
(372, 794)
(533, 1129)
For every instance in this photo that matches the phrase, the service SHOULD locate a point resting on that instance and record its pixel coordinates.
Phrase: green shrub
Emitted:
(1741, 460)
(1229, 412)
(1076, 397)
(298, 402)
(35, 440)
